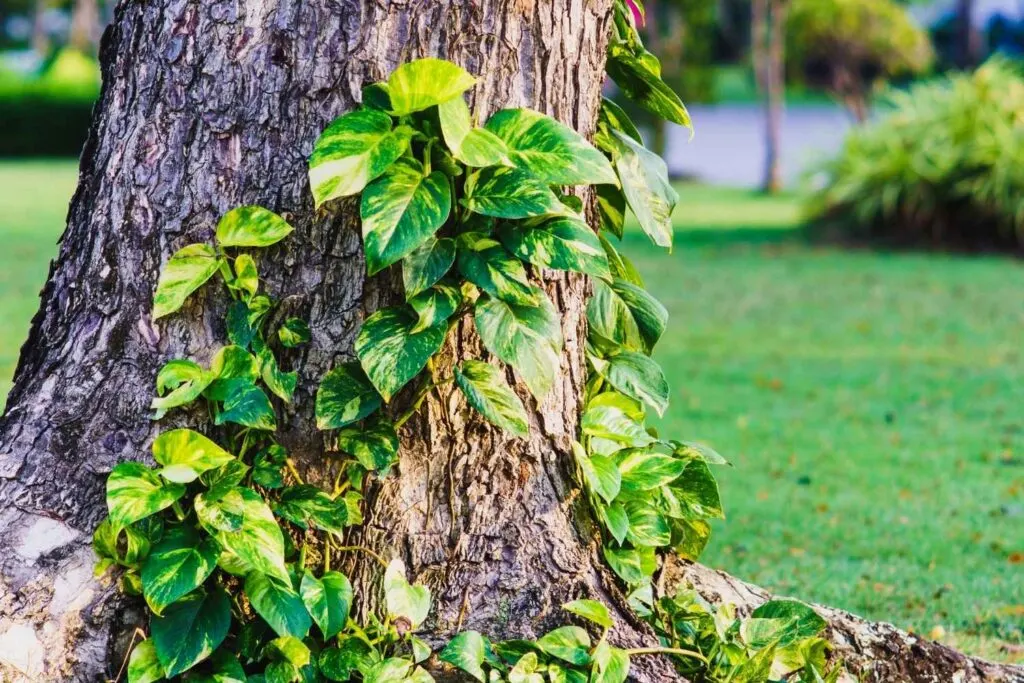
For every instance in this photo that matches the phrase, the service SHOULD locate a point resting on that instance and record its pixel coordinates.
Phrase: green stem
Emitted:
(295, 473)
(639, 651)
(362, 549)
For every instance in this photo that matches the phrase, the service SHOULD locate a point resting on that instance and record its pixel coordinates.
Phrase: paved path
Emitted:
(728, 148)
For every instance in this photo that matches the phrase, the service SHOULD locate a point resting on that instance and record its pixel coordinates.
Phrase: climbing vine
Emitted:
(231, 549)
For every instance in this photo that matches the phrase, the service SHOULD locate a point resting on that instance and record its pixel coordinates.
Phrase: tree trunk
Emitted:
(968, 47)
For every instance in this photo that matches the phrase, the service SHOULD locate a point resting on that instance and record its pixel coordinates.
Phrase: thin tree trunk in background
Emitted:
(40, 39)
(207, 106)
(84, 32)
(768, 40)
(968, 46)
(659, 127)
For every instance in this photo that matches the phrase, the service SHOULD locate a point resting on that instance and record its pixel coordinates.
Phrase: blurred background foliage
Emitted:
(869, 399)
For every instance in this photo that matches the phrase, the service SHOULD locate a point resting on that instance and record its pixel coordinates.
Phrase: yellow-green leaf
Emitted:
(186, 454)
(176, 566)
(345, 396)
(352, 151)
(251, 226)
(505, 192)
(486, 390)
(186, 271)
(423, 83)
(527, 337)
(548, 150)
(476, 147)
(278, 604)
(135, 492)
(560, 243)
(391, 353)
(426, 265)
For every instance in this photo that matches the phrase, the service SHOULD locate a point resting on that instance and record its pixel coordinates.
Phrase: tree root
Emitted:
(873, 652)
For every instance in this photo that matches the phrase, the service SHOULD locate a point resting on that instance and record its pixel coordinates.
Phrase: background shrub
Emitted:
(48, 115)
(944, 168)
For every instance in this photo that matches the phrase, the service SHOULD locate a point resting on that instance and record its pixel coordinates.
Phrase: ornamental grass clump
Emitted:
(941, 169)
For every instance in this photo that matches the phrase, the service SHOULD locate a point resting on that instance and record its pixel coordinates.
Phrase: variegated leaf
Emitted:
(186, 271)
(484, 261)
(352, 151)
(423, 83)
(191, 629)
(426, 265)
(400, 211)
(391, 353)
(485, 389)
(626, 316)
(642, 84)
(559, 243)
(345, 396)
(645, 183)
(176, 566)
(505, 192)
(527, 337)
(548, 150)
(476, 147)
(435, 305)
(251, 226)
(135, 492)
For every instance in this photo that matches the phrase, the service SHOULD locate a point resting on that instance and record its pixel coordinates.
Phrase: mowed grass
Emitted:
(34, 200)
(872, 404)
(873, 407)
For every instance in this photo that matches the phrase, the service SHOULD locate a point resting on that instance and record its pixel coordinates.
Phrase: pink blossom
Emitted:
(638, 14)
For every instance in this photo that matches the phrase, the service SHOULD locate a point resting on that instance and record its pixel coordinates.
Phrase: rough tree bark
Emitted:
(208, 105)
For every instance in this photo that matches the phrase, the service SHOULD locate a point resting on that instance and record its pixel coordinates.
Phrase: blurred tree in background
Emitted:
(849, 47)
(768, 27)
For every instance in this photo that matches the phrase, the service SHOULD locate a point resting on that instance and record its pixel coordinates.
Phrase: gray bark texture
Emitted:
(212, 104)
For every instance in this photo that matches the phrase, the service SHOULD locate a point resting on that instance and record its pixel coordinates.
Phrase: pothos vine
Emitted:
(469, 213)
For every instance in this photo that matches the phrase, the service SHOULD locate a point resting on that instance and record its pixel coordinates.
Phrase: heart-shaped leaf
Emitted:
(328, 600)
(190, 630)
(423, 83)
(251, 226)
(559, 243)
(401, 210)
(135, 492)
(527, 337)
(391, 353)
(186, 271)
(486, 390)
(176, 566)
(278, 604)
(186, 454)
(345, 396)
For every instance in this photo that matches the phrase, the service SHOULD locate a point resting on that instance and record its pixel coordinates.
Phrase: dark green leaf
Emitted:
(135, 492)
(560, 243)
(391, 353)
(278, 604)
(251, 226)
(435, 305)
(400, 211)
(505, 192)
(177, 565)
(642, 84)
(351, 657)
(466, 652)
(328, 600)
(374, 446)
(548, 150)
(190, 630)
(426, 265)
(186, 271)
(240, 332)
(281, 383)
(626, 563)
(485, 263)
(485, 389)
(527, 337)
(345, 396)
(611, 209)
(352, 151)
(423, 83)
(617, 521)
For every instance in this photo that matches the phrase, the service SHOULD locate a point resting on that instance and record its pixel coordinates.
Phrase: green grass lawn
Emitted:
(871, 403)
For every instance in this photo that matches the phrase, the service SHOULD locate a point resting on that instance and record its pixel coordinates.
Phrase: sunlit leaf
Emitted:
(485, 389)
(251, 226)
(186, 271)
(423, 83)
